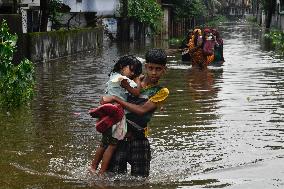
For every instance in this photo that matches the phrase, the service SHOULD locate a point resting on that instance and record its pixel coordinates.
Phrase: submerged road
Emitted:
(220, 128)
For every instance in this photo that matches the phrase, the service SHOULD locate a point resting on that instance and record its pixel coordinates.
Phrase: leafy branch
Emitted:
(16, 81)
(148, 12)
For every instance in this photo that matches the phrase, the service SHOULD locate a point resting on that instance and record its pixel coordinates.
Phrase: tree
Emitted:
(189, 8)
(44, 15)
(144, 12)
(255, 7)
(269, 7)
(123, 22)
(51, 10)
(148, 12)
(16, 81)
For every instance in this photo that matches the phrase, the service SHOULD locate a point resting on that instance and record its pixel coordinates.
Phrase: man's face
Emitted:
(154, 71)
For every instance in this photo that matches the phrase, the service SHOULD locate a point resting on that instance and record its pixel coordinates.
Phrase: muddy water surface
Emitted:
(222, 127)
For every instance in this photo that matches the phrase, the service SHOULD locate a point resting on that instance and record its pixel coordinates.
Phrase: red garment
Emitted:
(208, 48)
(108, 114)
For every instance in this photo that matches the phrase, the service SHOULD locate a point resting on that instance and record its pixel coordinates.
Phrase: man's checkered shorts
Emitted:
(135, 152)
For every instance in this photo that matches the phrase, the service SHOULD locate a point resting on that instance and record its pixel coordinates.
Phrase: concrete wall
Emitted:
(45, 46)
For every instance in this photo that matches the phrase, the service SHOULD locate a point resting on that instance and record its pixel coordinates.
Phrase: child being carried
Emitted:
(123, 80)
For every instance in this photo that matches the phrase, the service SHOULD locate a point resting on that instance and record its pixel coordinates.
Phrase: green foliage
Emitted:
(277, 38)
(175, 41)
(189, 8)
(265, 4)
(16, 81)
(146, 11)
(268, 5)
(54, 14)
(251, 19)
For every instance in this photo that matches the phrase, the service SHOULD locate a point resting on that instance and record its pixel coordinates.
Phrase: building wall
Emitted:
(102, 7)
(26, 6)
(239, 7)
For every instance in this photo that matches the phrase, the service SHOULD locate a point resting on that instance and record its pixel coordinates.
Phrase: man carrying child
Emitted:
(135, 148)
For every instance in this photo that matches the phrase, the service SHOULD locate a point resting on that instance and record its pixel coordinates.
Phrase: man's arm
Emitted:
(137, 109)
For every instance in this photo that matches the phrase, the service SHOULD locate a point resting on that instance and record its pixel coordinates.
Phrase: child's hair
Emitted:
(129, 60)
(156, 56)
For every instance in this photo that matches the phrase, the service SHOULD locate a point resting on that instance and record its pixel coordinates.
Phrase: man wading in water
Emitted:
(135, 148)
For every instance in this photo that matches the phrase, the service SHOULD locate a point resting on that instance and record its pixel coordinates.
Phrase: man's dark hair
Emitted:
(156, 56)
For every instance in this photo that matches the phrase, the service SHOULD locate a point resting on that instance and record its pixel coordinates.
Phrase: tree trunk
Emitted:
(270, 12)
(44, 15)
(139, 31)
(123, 33)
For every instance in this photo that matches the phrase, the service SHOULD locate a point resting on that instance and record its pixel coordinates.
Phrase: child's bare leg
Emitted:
(98, 157)
(106, 158)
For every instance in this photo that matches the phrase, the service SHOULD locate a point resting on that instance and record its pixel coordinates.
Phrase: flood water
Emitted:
(222, 127)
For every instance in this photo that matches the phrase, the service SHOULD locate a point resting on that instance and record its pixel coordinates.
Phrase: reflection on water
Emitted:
(221, 127)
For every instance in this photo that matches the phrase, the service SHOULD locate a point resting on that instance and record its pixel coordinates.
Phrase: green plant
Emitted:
(16, 81)
(189, 8)
(175, 41)
(251, 19)
(54, 11)
(277, 38)
(146, 11)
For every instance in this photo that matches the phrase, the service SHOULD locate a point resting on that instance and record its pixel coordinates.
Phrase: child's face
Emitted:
(154, 71)
(127, 71)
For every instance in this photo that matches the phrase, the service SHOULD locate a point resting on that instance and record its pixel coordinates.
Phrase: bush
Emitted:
(16, 81)
(277, 38)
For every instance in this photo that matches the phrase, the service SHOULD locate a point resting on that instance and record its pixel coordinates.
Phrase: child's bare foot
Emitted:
(92, 170)
(101, 174)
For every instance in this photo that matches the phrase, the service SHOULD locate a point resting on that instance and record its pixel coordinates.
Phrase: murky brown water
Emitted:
(221, 127)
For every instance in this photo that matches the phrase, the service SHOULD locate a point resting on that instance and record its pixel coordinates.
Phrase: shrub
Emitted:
(16, 81)
(277, 38)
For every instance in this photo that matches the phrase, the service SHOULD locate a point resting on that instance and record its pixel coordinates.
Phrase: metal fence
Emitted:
(181, 27)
